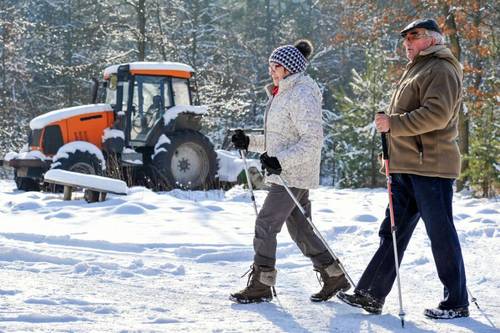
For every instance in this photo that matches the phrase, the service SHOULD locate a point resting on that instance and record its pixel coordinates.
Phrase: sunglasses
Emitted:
(414, 35)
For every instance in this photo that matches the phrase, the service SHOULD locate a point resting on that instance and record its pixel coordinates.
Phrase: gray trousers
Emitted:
(278, 208)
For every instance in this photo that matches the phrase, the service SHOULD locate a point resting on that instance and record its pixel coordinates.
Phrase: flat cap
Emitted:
(428, 24)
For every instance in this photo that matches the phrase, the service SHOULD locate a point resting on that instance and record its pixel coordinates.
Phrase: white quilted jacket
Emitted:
(293, 131)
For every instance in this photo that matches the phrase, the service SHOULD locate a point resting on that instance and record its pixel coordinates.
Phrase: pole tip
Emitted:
(402, 316)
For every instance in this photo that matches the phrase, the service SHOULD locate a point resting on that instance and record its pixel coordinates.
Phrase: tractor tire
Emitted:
(189, 161)
(26, 183)
(82, 162)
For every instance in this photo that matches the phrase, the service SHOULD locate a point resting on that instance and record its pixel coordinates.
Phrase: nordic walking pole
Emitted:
(316, 231)
(474, 300)
(250, 186)
(385, 154)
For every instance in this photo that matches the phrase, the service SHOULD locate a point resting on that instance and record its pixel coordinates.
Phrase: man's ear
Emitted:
(433, 41)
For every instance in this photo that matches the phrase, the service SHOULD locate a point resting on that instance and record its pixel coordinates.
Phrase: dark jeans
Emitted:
(278, 208)
(415, 197)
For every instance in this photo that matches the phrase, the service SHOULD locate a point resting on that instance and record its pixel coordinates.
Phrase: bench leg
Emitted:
(102, 196)
(91, 196)
(68, 190)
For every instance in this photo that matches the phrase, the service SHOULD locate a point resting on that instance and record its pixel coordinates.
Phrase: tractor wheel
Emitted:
(26, 183)
(188, 161)
(82, 162)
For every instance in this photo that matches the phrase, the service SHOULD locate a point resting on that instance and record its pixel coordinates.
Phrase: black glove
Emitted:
(271, 164)
(240, 140)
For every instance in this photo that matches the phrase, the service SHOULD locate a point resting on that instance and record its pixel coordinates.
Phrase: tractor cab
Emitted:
(141, 93)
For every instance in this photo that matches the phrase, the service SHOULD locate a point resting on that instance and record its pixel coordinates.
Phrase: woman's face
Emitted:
(277, 72)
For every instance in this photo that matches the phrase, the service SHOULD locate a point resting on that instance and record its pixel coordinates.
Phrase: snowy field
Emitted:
(166, 262)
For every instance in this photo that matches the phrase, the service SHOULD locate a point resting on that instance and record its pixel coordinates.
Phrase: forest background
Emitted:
(51, 49)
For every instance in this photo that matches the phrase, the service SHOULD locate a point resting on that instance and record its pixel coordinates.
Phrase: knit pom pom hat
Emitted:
(293, 57)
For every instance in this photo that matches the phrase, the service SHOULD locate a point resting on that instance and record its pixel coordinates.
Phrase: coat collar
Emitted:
(439, 51)
(430, 50)
(285, 84)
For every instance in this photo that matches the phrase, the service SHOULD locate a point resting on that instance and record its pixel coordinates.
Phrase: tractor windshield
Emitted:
(152, 96)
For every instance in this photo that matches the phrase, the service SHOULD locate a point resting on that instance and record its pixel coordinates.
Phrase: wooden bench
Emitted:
(96, 187)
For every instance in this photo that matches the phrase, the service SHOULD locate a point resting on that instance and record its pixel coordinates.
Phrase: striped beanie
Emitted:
(289, 57)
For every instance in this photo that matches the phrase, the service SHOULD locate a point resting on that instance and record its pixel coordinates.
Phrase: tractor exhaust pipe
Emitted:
(95, 88)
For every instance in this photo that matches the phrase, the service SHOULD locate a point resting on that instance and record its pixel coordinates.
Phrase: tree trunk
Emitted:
(195, 12)
(463, 118)
(477, 62)
(69, 55)
(161, 45)
(141, 28)
(3, 89)
(269, 27)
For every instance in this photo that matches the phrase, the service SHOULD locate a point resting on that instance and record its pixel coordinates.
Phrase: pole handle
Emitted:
(385, 151)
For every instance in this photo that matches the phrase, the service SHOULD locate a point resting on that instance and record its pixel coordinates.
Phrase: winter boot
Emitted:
(259, 285)
(441, 313)
(364, 301)
(333, 280)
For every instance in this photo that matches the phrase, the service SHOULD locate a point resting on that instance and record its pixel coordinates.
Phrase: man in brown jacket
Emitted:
(424, 162)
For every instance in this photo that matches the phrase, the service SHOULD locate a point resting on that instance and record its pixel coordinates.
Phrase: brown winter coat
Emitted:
(424, 116)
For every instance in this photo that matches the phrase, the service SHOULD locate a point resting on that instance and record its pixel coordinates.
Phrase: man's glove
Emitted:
(271, 164)
(240, 140)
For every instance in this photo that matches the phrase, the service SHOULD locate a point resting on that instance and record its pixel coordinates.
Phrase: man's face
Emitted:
(416, 40)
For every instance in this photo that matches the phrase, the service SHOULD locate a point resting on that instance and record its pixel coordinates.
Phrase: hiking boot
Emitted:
(364, 301)
(259, 285)
(333, 280)
(441, 313)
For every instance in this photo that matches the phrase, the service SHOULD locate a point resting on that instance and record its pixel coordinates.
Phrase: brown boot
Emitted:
(334, 281)
(259, 285)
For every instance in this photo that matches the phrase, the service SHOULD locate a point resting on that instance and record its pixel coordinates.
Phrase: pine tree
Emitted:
(355, 139)
(15, 77)
(484, 168)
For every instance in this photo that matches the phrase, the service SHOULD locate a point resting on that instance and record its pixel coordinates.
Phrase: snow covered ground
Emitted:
(166, 262)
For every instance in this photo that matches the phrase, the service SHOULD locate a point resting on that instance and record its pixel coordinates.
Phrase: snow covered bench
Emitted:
(96, 187)
(231, 165)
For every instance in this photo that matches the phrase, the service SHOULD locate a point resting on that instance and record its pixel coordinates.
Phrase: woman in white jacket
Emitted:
(290, 147)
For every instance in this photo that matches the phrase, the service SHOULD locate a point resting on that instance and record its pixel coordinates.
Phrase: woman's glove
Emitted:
(270, 164)
(240, 140)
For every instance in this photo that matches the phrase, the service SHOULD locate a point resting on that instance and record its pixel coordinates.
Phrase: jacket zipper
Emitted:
(268, 107)
(420, 147)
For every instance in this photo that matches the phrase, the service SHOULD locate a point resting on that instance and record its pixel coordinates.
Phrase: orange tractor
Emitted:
(146, 131)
